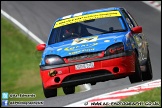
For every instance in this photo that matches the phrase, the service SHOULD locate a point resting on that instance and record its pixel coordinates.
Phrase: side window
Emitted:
(133, 20)
(54, 36)
(128, 19)
(51, 38)
(130, 23)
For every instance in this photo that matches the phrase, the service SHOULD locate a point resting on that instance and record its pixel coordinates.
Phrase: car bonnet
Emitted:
(84, 45)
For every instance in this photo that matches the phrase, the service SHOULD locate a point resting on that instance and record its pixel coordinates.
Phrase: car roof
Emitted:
(90, 12)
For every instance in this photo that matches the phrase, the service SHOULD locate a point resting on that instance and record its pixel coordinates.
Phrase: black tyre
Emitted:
(49, 92)
(137, 76)
(69, 90)
(147, 75)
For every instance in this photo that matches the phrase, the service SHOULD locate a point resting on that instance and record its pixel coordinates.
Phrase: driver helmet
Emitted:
(73, 28)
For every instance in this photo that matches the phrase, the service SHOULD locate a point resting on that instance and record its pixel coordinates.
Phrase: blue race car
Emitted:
(93, 46)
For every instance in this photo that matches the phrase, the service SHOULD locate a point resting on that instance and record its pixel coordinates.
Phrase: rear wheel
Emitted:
(49, 92)
(147, 75)
(137, 76)
(69, 90)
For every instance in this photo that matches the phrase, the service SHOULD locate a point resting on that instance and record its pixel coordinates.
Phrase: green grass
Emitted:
(20, 64)
(148, 99)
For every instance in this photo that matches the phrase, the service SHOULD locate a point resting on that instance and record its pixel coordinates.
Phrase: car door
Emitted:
(138, 39)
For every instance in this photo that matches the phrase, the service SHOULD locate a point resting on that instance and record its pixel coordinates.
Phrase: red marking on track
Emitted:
(99, 99)
(133, 90)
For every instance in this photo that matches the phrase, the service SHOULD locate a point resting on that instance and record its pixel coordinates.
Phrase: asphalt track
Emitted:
(38, 17)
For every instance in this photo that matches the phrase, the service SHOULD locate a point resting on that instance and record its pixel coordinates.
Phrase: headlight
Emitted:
(115, 49)
(53, 59)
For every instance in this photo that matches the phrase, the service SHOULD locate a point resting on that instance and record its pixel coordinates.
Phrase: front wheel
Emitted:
(69, 90)
(147, 75)
(137, 76)
(49, 92)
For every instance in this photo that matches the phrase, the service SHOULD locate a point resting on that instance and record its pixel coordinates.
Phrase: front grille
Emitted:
(87, 75)
(85, 56)
(90, 77)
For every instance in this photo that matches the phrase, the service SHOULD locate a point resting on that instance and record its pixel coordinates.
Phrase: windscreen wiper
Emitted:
(113, 31)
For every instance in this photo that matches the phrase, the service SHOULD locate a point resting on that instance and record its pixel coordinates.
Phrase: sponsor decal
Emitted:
(85, 46)
(86, 17)
(106, 40)
(59, 49)
(83, 50)
(128, 35)
(133, 46)
(84, 40)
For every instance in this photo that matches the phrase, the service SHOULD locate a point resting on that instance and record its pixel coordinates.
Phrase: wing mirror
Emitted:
(137, 29)
(41, 47)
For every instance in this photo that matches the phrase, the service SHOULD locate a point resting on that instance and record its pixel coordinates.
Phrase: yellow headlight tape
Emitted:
(87, 17)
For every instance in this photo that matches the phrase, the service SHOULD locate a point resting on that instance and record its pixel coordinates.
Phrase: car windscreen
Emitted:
(89, 28)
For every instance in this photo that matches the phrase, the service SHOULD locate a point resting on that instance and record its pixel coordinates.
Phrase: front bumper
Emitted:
(106, 68)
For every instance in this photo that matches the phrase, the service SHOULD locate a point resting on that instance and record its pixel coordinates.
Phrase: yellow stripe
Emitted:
(86, 17)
